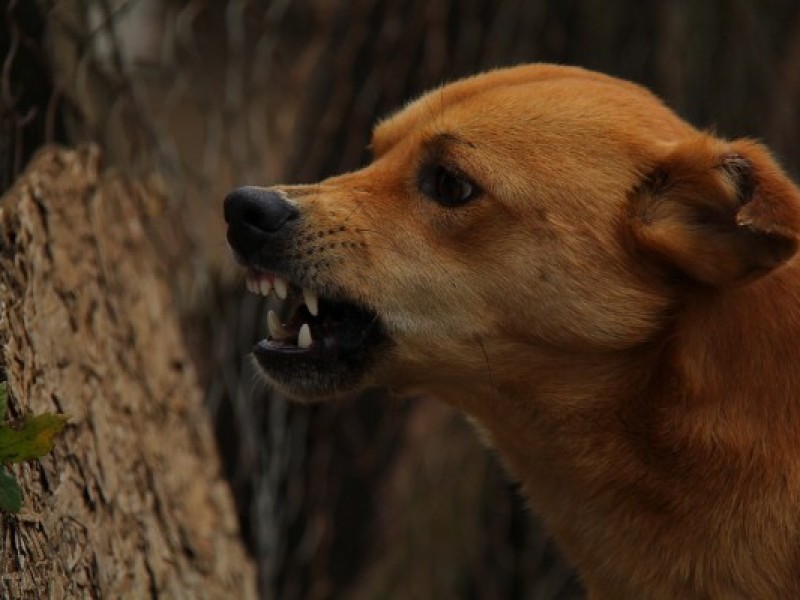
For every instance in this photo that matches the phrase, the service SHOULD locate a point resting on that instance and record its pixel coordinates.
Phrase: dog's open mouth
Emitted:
(316, 346)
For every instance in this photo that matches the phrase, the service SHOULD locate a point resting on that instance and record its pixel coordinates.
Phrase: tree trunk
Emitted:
(130, 504)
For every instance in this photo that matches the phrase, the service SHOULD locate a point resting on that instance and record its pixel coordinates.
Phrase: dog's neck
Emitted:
(584, 438)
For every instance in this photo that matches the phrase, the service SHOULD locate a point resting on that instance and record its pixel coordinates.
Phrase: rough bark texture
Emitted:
(130, 504)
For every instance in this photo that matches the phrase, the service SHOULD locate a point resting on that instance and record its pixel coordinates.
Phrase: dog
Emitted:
(610, 294)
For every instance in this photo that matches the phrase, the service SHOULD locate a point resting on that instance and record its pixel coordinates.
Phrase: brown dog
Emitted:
(609, 293)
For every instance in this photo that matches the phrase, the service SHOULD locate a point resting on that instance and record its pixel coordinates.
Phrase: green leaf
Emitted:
(10, 492)
(3, 400)
(32, 440)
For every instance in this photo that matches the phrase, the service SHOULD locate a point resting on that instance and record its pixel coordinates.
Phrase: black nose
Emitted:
(254, 215)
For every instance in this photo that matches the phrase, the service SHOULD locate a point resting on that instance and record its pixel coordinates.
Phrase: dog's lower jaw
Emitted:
(326, 373)
(313, 385)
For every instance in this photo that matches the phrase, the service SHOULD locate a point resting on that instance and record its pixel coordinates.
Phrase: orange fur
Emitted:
(619, 311)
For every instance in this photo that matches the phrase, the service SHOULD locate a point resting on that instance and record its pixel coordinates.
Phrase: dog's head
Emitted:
(525, 211)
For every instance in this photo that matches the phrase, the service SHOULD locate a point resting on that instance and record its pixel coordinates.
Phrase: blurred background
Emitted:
(376, 497)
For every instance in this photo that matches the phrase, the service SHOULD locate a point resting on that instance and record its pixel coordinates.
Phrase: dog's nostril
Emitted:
(253, 216)
(261, 209)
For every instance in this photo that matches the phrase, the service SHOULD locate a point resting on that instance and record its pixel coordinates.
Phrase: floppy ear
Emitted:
(720, 212)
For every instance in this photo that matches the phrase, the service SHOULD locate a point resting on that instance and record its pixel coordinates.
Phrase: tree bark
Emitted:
(130, 503)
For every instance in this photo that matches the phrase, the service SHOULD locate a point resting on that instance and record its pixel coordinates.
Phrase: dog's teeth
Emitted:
(281, 287)
(264, 287)
(276, 330)
(304, 337)
(251, 285)
(312, 302)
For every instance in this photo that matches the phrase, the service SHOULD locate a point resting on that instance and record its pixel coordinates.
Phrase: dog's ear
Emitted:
(720, 212)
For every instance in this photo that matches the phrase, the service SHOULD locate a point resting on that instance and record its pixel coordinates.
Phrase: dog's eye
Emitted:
(446, 187)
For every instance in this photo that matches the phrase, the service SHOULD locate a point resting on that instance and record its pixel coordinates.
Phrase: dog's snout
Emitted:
(254, 214)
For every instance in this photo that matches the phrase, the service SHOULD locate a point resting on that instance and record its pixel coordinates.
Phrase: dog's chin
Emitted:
(306, 381)
(349, 340)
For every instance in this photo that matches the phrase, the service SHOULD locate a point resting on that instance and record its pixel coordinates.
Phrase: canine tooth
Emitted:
(281, 287)
(304, 337)
(264, 287)
(276, 330)
(312, 301)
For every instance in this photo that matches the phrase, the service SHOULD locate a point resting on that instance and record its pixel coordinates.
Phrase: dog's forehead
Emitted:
(512, 96)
